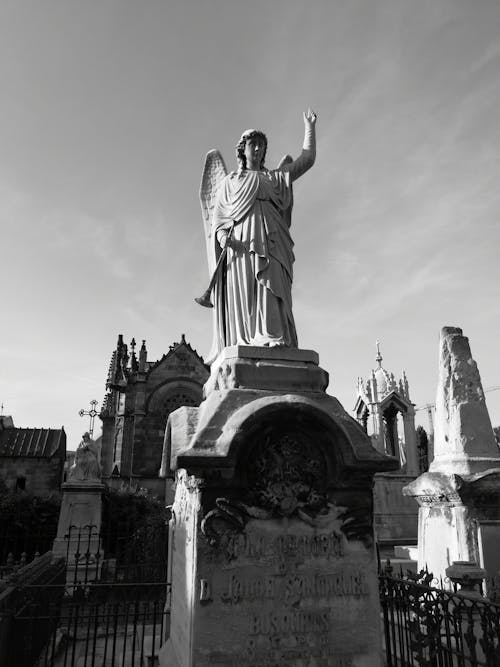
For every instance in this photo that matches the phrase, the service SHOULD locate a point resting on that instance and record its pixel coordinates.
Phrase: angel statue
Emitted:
(247, 216)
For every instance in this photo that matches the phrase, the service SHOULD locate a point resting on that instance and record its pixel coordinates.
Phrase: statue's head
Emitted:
(240, 147)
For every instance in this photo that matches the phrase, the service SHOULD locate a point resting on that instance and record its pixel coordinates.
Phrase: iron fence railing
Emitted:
(140, 556)
(40, 583)
(107, 607)
(429, 627)
(20, 543)
(93, 626)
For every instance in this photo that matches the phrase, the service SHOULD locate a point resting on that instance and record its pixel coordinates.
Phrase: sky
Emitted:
(108, 109)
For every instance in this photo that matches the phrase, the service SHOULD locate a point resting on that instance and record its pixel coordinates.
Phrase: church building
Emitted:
(140, 394)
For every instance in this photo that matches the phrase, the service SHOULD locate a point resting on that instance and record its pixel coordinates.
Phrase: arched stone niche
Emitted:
(276, 457)
(286, 463)
(281, 432)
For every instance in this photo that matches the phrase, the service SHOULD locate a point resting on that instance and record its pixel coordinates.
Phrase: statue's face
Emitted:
(255, 148)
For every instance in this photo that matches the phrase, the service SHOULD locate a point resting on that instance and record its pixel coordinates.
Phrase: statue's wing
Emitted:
(214, 172)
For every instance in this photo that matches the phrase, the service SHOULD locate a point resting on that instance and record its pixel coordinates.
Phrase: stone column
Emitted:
(459, 498)
(272, 557)
(412, 464)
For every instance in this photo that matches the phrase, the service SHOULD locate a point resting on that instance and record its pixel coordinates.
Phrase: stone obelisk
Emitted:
(459, 498)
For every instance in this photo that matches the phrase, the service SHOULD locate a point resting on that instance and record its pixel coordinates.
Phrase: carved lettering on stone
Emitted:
(291, 591)
(284, 562)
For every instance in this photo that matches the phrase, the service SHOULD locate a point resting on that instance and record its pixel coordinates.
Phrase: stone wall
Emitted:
(42, 475)
(395, 515)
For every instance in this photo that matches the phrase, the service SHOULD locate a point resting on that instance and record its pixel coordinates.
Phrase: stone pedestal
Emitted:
(78, 530)
(459, 498)
(458, 520)
(272, 555)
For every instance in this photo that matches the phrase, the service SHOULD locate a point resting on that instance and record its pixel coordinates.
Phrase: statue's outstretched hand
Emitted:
(310, 117)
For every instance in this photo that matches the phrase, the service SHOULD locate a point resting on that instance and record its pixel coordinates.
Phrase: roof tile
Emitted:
(30, 442)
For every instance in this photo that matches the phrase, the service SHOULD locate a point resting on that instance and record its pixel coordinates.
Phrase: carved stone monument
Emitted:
(81, 507)
(272, 557)
(459, 498)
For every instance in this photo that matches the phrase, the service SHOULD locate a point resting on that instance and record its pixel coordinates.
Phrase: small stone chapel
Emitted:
(385, 411)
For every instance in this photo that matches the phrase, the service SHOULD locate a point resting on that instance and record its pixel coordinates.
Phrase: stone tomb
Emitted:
(272, 556)
(459, 498)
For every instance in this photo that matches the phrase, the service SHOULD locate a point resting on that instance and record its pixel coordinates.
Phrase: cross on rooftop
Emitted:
(92, 413)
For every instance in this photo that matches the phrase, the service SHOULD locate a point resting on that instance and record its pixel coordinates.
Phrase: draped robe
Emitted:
(253, 294)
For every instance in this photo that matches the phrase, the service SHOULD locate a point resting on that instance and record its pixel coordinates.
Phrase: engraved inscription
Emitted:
(323, 657)
(294, 588)
(243, 545)
(296, 622)
(301, 547)
(292, 594)
(293, 548)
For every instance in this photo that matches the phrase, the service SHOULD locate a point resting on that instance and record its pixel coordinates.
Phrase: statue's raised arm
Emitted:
(308, 155)
(247, 216)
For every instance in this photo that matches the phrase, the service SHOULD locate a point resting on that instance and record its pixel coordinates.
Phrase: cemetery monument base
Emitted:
(272, 558)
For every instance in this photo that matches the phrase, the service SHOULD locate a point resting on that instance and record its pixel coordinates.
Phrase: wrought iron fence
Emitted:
(140, 555)
(429, 627)
(25, 543)
(20, 589)
(96, 625)
(108, 609)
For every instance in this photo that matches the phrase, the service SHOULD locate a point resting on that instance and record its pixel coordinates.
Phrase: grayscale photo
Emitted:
(249, 367)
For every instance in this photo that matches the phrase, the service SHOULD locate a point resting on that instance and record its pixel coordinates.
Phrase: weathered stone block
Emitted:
(272, 554)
